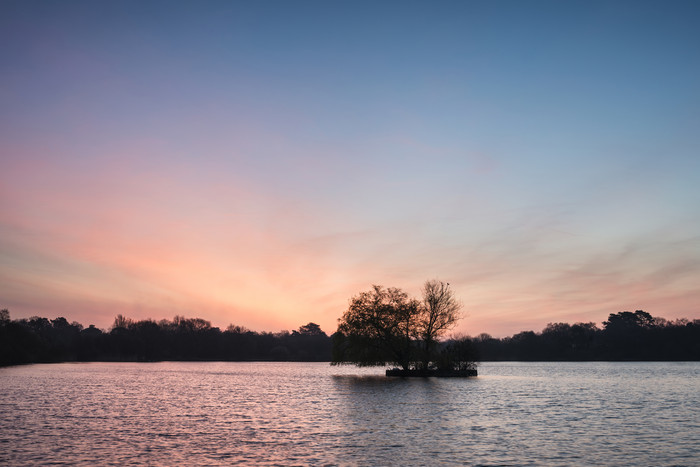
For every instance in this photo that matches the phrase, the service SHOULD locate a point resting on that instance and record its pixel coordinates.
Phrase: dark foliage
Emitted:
(39, 340)
(625, 336)
(384, 326)
(379, 328)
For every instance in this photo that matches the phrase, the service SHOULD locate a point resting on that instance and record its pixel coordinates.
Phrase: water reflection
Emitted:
(403, 419)
(268, 413)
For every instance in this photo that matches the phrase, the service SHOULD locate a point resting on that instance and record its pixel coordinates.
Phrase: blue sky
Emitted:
(258, 163)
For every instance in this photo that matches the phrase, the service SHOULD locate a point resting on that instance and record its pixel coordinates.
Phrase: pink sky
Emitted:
(260, 169)
(123, 239)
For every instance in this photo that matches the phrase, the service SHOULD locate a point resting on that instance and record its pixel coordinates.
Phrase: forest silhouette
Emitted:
(625, 336)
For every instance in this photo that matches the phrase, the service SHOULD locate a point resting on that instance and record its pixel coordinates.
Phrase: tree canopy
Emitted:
(42, 340)
(384, 326)
(624, 336)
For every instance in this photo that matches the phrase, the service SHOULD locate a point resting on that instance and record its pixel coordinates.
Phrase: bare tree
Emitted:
(387, 326)
(440, 312)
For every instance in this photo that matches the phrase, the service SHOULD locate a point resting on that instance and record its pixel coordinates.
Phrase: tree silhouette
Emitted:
(625, 336)
(311, 329)
(438, 314)
(385, 326)
(377, 328)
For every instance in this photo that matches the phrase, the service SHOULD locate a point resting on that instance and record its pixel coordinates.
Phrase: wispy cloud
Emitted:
(263, 175)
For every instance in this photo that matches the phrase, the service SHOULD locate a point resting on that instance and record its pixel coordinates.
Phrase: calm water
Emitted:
(309, 413)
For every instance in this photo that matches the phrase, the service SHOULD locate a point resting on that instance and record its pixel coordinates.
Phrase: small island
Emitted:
(432, 372)
(385, 327)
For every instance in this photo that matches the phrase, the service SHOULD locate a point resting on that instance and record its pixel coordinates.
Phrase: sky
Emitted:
(258, 163)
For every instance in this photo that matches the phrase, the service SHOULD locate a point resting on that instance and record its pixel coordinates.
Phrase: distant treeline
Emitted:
(39, 340)
(624, 336)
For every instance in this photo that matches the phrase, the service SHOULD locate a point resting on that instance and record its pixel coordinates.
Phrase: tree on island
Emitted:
(387, 327)
(440, 311)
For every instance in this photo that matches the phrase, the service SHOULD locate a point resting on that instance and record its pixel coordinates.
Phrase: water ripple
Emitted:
(314, 414)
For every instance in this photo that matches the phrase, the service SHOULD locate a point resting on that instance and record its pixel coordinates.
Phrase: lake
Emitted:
(216, 413)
